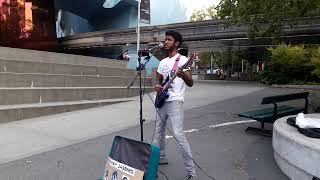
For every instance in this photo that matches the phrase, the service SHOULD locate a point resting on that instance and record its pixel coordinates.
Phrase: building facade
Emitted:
(38, 24)
(27, 24)
(93, 15)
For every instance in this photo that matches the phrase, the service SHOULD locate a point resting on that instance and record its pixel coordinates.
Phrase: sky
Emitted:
(192, 5)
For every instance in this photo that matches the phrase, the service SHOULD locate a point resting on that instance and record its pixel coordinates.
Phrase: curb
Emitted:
(310, 87)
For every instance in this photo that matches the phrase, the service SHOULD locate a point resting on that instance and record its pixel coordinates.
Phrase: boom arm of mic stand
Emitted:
(139, 69)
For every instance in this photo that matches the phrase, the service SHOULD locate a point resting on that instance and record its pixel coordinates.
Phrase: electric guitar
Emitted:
(161, 98)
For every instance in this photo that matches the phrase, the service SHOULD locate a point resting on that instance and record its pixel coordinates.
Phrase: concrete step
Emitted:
(25, 111)
(17, 66)
(58, 80)
(58, 58)
(9, 96)
(37, 83)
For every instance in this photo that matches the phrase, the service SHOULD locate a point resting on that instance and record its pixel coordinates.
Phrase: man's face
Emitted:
(170, 44)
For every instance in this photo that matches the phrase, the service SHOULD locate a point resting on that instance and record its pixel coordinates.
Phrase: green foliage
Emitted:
(287, 58)
(206, 14)
(315, 61)
(227, 59)
(269, 76)
(205, 59)
(223, 59)
(290, 64)
(266, 17)
(253, 54)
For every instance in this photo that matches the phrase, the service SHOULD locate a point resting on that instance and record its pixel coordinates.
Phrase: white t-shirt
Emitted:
(178, 85)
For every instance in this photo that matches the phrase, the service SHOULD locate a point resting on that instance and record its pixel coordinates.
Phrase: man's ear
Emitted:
(177, 43)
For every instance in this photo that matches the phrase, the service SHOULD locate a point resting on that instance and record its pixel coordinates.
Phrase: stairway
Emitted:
(36, 83)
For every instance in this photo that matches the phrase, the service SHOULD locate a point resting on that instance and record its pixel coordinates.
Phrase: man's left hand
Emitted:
(186, 76)
(180, 73)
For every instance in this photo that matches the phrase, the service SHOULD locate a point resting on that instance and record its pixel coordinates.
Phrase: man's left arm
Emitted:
(186, 76)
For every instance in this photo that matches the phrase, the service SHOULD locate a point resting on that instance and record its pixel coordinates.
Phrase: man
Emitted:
(173, 107)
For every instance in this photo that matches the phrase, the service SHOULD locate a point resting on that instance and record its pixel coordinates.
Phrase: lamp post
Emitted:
(138, 28)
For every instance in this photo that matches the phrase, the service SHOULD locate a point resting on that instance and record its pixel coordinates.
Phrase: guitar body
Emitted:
(161, 98)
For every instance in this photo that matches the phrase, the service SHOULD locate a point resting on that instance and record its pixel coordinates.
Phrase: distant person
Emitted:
(221, 74)
(124, 56)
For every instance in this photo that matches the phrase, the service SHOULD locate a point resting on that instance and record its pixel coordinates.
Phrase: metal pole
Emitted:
(140, 69)
(211, 60)
(242, 69)
(138, 27)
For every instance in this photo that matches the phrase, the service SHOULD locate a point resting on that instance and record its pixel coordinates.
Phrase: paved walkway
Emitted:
(73, 145)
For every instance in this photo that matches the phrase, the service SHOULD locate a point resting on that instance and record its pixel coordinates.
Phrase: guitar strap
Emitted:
(175, 66)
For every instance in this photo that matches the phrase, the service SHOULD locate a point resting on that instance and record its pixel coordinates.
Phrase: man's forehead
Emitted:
(169, 37)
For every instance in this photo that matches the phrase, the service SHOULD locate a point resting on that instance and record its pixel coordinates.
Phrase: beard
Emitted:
(170, 49)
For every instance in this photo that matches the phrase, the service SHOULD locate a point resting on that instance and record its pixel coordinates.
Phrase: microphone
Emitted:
(145, 52)
(159, 46)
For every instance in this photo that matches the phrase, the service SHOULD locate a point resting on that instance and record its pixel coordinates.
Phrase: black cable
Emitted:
(210, 177)
(167, 178)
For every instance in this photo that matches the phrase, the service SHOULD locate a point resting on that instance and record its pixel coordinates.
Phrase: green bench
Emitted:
(270, 115)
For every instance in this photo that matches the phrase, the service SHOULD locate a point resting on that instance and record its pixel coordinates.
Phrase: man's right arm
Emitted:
(159, 81)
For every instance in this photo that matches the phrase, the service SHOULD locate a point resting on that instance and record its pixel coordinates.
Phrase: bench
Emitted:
(270, 115)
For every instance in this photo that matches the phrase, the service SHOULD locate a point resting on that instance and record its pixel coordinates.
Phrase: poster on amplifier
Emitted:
(115, 170)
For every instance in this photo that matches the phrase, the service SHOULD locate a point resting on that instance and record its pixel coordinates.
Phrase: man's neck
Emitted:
(172, 53)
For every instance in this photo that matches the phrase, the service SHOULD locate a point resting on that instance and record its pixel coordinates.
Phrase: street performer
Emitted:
(173, 106)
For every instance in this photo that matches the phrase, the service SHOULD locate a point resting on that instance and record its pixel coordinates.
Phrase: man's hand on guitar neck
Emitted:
(186, 76)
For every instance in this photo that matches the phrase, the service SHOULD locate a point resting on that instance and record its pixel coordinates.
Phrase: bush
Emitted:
(269, 76)
(315, 61)
(291, 64)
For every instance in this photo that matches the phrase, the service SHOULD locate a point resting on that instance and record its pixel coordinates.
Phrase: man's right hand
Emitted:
(158, 88)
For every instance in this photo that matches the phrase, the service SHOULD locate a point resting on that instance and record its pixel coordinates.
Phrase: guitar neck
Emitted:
(187, 64)
(167, 85)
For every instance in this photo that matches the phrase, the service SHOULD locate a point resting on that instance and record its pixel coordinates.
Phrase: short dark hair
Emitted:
(176, 35)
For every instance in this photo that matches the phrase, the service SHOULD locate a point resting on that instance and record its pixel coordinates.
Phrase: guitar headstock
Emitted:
(189, 62)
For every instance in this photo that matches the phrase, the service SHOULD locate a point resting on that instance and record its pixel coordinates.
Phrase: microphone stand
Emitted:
(140, 68)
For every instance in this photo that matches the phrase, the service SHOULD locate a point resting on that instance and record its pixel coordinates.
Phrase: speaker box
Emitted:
(140, 155)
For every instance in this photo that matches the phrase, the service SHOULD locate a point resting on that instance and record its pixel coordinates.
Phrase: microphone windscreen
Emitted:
(161, 45)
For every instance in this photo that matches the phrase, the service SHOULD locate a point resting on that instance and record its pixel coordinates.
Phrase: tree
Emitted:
(266, 17)
(254, 54)
(206, 14)
(228, 61)
(205, 59)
